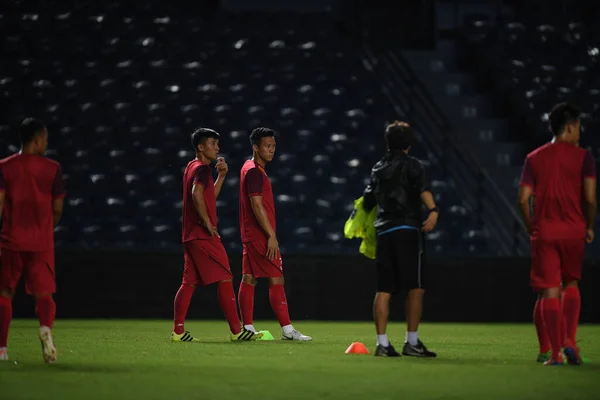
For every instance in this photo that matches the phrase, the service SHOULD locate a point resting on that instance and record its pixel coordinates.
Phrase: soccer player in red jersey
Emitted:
(205, 259)
(563, 178)
(31, 203)
(261, 257)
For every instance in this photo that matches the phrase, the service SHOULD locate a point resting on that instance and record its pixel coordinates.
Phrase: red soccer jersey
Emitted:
(254, 182)
(197, 173)
(30, 183)
(555, 172)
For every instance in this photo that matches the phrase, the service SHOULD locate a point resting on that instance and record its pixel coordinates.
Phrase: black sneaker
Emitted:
(417, 351)
(383, 351)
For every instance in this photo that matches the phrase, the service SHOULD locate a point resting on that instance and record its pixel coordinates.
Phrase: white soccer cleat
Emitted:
(3, 354)
(295, 335)
(48, 348)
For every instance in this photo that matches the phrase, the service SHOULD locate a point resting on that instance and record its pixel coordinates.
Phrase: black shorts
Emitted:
(400, 260)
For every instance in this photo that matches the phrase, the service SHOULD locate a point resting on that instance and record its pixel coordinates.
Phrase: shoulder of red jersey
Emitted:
(39, 159)
(249, 164)
(539, 150)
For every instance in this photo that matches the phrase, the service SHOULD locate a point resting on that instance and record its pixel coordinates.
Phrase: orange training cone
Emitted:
(357, 348)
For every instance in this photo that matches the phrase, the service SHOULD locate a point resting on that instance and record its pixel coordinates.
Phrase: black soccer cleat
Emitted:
(417, 351)
(388, 351)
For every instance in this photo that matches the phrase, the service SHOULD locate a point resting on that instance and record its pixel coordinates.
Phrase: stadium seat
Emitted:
(121, 92)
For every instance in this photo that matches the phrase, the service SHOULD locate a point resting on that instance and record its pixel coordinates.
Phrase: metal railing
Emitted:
(410, 98)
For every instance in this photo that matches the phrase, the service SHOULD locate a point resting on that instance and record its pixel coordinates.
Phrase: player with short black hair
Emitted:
(261, 257)
(205, 259)
(31, 203)
(399, 188)
(562, 178)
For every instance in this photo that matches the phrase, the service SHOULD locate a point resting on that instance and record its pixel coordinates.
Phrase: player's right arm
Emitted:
(589, 195)
(421, 182)
(254, 186)
(201, 179)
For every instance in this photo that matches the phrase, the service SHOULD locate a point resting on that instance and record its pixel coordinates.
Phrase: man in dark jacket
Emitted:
(398, 188)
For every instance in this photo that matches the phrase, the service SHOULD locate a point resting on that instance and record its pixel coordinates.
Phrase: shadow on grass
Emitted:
(29, 367)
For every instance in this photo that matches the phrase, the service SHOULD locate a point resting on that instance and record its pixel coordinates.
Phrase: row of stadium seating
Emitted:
(538, 65)
(121, 95)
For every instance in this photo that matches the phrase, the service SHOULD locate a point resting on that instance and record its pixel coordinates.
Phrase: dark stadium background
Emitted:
(122, 84)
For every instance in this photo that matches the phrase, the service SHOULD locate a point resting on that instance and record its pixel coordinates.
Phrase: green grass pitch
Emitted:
(123, 359)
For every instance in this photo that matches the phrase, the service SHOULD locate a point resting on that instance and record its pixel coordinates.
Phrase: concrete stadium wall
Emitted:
(122, 284)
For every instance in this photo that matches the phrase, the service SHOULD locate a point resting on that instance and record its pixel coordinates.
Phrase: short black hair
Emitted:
(561, 115)
(398, 136)
(259, 133)
(29, 128)
(200, 135)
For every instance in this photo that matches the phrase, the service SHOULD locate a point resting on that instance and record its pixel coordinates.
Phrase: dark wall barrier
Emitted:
(95, 284)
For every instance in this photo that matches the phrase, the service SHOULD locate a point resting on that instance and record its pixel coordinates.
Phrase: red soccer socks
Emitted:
(46, 310)
(571, 307)
(246, 303)
(540, 328)
(279, 304)
(180, 307)
(5, 318)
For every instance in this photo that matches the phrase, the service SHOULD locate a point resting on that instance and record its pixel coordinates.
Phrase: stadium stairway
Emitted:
(444, 105)
(485, 136)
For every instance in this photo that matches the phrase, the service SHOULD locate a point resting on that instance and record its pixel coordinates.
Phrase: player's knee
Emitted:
(276, 281)
(42, 295)
(382, 296)
(551, 293)
(571, 283)
(249, 280)
(6, 293)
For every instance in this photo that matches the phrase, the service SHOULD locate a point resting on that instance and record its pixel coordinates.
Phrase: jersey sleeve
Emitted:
(202, 176)
(589, 166)
(58, 187)
(527, 177)
(254, 182)
(420, 178)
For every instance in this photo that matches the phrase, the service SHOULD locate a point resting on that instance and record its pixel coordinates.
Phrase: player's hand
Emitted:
(222, 167)
(589, 236)
(272, 248)
(210, 228)
(430, 222)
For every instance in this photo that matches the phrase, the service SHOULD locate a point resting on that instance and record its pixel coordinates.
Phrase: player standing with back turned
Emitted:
(205, 259)
(563, 178)
(399, 188)
(31, 204)
(261, 257)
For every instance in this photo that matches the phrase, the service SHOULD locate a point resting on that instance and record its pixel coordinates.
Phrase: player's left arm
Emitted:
(222, 169)
(369, 200)
(525, 194)
(58, 196)
(589, 194)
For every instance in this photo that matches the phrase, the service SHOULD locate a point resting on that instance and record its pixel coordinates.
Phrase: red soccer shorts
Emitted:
(555, 261)
(205, 262)
(256, 263)
(37, 265)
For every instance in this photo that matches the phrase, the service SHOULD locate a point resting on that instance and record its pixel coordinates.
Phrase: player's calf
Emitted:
(3, 354)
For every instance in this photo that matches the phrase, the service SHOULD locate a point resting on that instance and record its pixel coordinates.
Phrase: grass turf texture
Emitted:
(134, 360)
